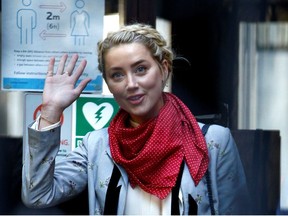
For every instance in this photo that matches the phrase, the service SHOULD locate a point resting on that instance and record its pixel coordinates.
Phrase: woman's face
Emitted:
(135, 80)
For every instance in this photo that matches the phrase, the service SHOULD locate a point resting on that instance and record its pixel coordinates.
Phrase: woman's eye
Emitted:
(117, 75)
(140, 69)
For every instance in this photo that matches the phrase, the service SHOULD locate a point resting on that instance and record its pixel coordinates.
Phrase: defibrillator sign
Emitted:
(91, 113)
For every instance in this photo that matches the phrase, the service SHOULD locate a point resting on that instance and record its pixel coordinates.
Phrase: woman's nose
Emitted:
(131, 81)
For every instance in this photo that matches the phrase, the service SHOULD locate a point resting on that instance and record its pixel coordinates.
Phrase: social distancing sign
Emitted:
(33, 31)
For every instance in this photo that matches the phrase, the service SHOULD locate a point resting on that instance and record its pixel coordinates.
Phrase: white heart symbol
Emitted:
(97, 115)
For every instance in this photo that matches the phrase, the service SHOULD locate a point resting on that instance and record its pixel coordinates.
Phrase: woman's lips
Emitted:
(135, 99)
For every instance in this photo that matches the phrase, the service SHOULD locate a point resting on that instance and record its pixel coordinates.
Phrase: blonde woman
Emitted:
(153, 158)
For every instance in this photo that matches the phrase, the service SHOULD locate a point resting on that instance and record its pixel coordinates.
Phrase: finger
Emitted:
(51, 66)
(61, 64)
(80, 69)
(70, 67)
(82, 85)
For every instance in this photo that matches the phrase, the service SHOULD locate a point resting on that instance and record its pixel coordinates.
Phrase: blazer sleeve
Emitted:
(230, 193)
(45, 182)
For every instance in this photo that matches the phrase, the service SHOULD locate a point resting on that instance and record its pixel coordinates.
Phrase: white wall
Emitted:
(11, 109)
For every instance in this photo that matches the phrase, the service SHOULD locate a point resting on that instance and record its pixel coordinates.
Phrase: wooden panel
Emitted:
(260, 154)
(140, 11)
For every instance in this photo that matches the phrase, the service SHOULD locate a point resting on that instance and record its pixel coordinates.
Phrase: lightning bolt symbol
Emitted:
(98, 114)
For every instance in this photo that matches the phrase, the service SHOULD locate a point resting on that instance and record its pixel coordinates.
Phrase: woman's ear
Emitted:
(165, 71)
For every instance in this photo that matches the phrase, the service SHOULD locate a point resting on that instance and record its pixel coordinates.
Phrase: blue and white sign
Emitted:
(35, 30)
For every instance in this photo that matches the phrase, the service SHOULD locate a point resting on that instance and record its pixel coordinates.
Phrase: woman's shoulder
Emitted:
(96, 139)
(99, 132)
(215, 129)
(218, 136)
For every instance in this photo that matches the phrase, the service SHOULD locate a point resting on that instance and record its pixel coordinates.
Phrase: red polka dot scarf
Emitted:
(152, 152)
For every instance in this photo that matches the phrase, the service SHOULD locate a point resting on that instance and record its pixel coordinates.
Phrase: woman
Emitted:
(152, 159)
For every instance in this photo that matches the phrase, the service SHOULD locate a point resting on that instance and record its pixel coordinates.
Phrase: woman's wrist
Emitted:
(45, 123)
(42, 118)
(50, 114)
(48, 117)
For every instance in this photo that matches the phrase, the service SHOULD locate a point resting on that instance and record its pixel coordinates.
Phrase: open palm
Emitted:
(60, 90)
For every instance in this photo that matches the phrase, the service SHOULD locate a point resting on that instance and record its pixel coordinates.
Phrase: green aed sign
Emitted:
(91, 112)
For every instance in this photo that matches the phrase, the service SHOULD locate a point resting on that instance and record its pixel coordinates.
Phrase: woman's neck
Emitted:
(133, 123)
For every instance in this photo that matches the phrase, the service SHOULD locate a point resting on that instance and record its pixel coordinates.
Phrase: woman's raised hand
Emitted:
(60, 90)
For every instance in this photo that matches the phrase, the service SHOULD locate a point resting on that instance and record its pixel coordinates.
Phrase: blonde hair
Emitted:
(139, 33)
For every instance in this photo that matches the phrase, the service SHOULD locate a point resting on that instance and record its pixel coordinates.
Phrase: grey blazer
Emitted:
(47, 183)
